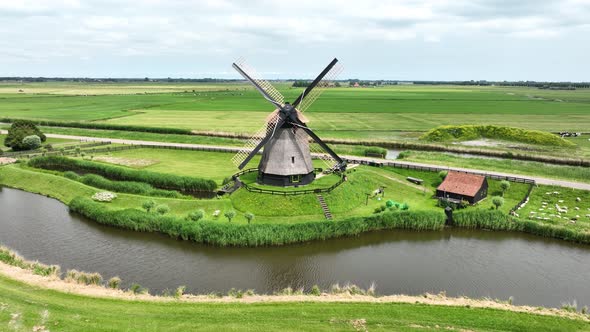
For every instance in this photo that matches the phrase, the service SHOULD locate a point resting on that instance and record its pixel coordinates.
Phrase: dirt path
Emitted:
(538, 180)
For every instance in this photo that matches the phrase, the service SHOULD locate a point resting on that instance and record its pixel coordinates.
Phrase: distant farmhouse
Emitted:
(458, 187)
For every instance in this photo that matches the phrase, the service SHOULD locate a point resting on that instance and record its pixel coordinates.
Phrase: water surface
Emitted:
(534, 270)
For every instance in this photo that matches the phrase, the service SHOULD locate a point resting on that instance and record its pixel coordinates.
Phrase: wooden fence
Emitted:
(287, 193)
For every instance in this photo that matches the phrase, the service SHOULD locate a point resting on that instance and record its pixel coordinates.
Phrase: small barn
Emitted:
(463, 186)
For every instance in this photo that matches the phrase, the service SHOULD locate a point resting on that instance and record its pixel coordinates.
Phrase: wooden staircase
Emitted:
(230, 187)
(325, 208)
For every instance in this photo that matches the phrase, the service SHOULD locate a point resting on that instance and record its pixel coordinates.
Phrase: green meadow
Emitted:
(30, 308)
(339, 112)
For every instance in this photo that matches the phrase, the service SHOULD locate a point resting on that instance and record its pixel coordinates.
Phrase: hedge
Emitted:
(231, 234)
(105, 126)
(157, 180)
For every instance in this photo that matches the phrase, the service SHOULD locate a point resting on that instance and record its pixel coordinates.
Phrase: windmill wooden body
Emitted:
(285, 137)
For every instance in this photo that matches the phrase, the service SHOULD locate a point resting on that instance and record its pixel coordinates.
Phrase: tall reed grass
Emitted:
(496, 220)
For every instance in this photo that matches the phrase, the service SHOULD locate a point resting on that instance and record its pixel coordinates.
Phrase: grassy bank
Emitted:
(25, 306)
(35, 297)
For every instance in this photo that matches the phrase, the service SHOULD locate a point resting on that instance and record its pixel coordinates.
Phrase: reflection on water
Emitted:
(533, 270)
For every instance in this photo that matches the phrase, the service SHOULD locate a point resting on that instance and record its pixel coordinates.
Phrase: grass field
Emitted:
(581, 174)
(362, 112)
(24, 307)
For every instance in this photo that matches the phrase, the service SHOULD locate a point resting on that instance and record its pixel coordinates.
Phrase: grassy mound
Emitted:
(470, 132)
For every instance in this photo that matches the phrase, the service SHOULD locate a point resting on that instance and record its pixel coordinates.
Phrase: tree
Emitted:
(229, 215)
(162, 209)
(196, 215)
(17, 133)
(497, 201)
(505, 185)
(148, 205)
(249, 216)
(31, 142)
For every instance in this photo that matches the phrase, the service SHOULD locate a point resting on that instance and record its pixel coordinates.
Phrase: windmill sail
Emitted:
(258, 80)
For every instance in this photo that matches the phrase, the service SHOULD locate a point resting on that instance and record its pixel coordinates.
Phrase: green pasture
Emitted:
(577, 213)
(29, 307)
(512, 166)
(339, 112)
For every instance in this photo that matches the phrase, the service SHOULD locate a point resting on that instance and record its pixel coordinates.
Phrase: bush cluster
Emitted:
(157, 180)
(21, 136)
(470, 132)
(231, 234)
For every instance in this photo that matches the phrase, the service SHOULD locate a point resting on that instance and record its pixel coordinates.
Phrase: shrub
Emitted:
(249, 217)
(389, 203)
(18, 131)
(31, 142)
(71, 175)
(196, 215)
(179, 291)
(315, 290)
(442, 174)
(375, 151)
(404, 154)
(497, 201)
(148, 205)
(230, 215)
(404, 207)
(137, 289)
(162, 209)
(505, 185)
(114, 282)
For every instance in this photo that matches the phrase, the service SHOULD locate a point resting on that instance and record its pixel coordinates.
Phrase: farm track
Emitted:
(538, 180)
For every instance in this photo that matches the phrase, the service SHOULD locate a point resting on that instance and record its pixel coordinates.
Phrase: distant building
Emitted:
(458, 187)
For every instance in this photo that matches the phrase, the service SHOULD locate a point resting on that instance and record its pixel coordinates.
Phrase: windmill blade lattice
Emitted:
(253, 141)
(264, 84)
(321, 87)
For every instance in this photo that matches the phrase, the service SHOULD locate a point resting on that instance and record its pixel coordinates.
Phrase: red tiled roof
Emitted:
(461, 183)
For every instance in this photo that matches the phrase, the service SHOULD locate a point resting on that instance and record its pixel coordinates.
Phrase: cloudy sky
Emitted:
(374, 39)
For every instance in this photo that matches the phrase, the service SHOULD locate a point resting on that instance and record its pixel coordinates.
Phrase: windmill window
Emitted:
(292, 160)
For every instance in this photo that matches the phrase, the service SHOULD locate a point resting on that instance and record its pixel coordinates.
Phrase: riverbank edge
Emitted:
(227, 234)
(55, 283)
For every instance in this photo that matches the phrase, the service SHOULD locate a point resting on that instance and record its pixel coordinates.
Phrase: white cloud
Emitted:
(94, 30)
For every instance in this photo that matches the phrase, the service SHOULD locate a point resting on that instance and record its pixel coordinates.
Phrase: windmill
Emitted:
(285, 136)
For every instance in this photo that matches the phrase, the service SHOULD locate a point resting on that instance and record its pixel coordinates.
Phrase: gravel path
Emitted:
(538, 180)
